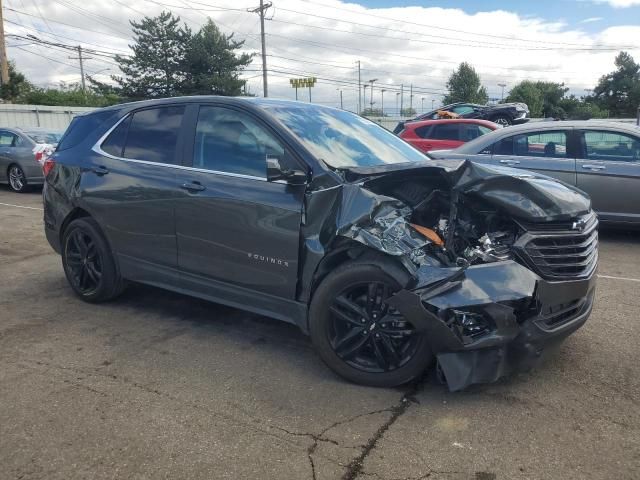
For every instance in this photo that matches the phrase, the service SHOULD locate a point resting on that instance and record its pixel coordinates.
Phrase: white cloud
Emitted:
(591, 20)
(400, 45)
(620, 3)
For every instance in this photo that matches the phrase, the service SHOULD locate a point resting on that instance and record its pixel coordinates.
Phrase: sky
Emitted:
(406, 48)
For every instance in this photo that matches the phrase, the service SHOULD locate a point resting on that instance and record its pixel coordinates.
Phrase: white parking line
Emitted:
(20, 206)
(626, 279)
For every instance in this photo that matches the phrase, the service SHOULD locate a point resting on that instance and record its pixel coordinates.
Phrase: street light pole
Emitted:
(340, 90)
(382, 101)
(371, 93)
(433, 101)
(397, 96)
(502, 95)
(364, 93)
(422, 104)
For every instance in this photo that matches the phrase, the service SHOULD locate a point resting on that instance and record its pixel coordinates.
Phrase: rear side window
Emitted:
(423, 132)
(448, 131)
(153, 134)
(612, 146)
(81, 127)
(472, 131)
(7, 139)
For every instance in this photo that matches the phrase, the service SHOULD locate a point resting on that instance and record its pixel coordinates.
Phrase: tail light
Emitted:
(48, 165)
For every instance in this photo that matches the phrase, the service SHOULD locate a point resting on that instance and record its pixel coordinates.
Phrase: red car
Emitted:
(428, 135)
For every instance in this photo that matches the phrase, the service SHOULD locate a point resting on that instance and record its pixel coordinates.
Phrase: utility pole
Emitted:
(341, 106)
(81, 59)
(359, 88)
(4, 61)
(260, 11)
(371, 94)
(401, 98)
(502, 95)
(382, 101)
(422, 104)
(397, 96)
(433, 101)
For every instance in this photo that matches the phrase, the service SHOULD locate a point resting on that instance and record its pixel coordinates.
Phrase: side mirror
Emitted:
(276, 172)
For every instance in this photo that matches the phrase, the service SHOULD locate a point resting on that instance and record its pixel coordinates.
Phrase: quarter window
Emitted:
(114, 144)
(153, 134)
(7, 139)
(603, 145)
(233, 142)
(423, 132)
(471, 131)
(545, 144)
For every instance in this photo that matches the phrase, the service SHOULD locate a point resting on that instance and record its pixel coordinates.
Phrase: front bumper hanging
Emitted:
(490, 320)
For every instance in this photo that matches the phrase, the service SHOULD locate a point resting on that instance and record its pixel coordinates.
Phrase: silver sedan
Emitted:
(19, 166)
(600, 158)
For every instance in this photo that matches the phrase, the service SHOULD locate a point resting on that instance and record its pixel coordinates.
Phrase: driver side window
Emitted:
(230, 141)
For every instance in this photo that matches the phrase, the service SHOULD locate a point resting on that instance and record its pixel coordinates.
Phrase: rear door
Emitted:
(549, 152)
(234, 227)
(6, 146)
(130, 186)
(609, 171)
(444, 136)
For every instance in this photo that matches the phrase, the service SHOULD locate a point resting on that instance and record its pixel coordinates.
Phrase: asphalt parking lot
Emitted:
(158, 385)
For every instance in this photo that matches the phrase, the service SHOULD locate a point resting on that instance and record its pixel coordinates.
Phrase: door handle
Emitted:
(100, 171)
(594, 167)
(510, 162)
(193, 186)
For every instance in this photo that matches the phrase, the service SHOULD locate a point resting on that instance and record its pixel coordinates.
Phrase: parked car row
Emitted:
(21, 156)
(600, 158)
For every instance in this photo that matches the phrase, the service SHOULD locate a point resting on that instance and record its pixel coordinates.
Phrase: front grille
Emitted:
(562, 253)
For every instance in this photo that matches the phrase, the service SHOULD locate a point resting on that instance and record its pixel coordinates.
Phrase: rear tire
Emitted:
(364, 341)
(17, 179)
(88, 262)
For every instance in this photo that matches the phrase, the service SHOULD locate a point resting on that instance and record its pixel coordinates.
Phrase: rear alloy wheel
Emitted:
(359, 335)
(88, 262)
(502, 120)
(17, 179)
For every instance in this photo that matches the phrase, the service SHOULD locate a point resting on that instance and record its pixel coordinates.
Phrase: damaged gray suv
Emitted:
(315, 216)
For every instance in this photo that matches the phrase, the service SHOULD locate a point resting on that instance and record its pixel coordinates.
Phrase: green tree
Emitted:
(211, 64)
(156, 68)
(464, 86)
(17, 88)
(543, 98)
(67, 95)
(619, 91)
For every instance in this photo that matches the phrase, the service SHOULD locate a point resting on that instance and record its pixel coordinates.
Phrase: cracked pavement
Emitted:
(159, 385)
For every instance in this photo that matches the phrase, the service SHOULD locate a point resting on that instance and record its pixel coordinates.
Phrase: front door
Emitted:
(610, 173)
(235, 227)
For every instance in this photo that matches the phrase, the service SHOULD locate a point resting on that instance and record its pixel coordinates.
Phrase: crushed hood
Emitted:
(524, 195)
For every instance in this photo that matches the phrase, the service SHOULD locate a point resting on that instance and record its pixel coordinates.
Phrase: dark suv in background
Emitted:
(321, 218)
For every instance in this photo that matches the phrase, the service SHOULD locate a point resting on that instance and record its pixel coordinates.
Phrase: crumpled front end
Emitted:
(489, 320)
(502, 263)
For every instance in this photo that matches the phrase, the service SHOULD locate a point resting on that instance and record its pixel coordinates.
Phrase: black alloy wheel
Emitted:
(83, 262)
(89, 263)
(17, 179)
(358, 334)
(368, 334)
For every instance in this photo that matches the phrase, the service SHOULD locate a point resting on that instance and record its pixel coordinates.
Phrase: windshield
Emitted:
(44, 137)
(342, 139)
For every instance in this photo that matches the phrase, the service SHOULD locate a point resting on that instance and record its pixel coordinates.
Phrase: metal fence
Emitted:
(54, 118)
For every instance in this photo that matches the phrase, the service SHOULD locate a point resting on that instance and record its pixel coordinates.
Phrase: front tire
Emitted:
(358, 335)
(17, 178)
(88, 262)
